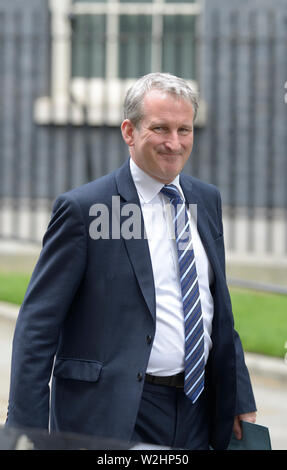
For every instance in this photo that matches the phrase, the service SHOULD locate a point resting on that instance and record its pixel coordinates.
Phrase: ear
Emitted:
(128, 129)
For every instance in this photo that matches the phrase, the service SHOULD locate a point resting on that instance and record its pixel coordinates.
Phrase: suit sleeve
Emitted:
(52, 287)
(245, 402)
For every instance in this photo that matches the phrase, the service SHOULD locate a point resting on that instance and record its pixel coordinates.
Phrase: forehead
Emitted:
(161, 105)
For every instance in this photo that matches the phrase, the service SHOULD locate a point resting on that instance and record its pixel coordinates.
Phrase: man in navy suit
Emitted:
(103, 311)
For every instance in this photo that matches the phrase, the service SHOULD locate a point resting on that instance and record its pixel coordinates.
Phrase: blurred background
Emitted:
(65, 66)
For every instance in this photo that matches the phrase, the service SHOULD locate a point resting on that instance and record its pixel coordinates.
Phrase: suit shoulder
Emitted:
(201, 186)
(205, 186)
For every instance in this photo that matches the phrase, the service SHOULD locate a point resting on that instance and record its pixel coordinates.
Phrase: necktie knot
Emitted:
(171, 191)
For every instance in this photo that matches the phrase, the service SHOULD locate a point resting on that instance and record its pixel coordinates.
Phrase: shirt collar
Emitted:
(148, 187)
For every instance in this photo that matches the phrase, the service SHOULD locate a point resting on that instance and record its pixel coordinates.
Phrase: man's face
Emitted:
(163, 140)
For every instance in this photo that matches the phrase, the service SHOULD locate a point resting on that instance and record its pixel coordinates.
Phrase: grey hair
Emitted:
(164, 82)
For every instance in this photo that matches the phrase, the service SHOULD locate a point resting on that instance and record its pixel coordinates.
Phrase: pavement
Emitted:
(268, 376)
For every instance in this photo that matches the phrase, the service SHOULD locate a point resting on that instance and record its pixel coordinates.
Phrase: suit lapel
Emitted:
(138, 249)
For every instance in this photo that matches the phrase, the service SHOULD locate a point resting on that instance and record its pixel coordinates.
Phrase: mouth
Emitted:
(169, 155)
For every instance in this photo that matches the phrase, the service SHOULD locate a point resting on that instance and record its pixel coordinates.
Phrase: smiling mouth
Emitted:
(171, 155)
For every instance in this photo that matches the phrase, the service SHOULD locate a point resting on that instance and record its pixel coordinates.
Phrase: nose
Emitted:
(172, 143)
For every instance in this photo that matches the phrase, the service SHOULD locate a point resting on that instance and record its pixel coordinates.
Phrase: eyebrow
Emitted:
(165, 124)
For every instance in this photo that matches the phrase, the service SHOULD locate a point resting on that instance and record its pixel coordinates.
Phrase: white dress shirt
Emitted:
(167, 354)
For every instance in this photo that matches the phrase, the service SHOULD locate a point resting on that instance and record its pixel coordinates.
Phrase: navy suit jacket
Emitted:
(89, 313)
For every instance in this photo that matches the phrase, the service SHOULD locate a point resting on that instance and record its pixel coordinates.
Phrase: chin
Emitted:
(170, 174)
(167, 178)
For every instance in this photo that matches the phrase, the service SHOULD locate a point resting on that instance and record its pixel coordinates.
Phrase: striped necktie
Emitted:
(193, 323)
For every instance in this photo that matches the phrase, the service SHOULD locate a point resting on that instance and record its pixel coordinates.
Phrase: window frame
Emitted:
(78, 100)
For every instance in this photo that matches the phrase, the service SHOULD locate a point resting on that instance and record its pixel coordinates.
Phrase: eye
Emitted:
(159, 129)
(184, 131)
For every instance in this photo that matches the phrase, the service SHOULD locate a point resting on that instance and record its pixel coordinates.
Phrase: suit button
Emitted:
(140, 377)
(148, 339)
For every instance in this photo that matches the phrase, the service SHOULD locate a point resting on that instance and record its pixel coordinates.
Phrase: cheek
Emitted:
(190, 143)
(152, 147)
